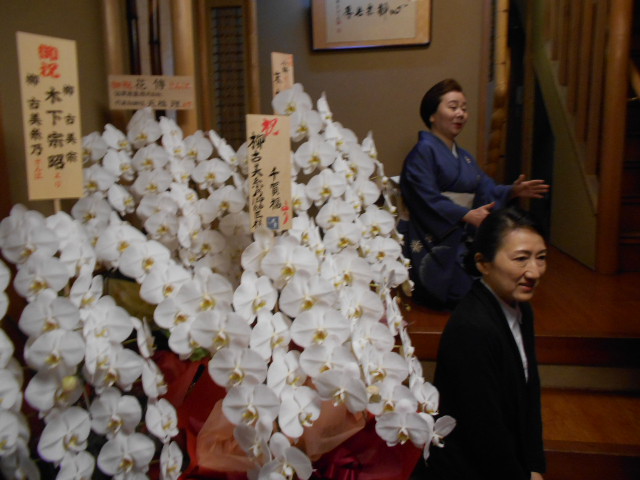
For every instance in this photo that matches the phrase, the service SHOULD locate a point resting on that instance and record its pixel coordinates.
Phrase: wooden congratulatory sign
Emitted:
(269, 159)
(51, 116)
(281, 71)
(160, 92)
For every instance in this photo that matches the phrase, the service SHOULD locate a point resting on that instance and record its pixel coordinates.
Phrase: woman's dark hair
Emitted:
(432, 98)
(496, 226)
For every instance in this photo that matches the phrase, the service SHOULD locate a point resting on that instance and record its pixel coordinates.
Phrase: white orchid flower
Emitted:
(126, 454)
(253, 255)
(93, 148)
(106, 319)
(27, 238)
(379, 365)
(252, 405)
(271, 333)
(300, 408)
(227, 199)
(343, 386)
(400, 426)
(48, 312)
(369, 145)
(291, 100)
(233, 366)
(211, 173)
(304, 123)
(143, 128)
(66, 431)
(86, 290)
(289, 462)
(172, 312)
(377, 221)
(118, 164)
(10, 391)
(120, 199)
(346, 268)
(378, 248)
(9, 432)
(198, 147)
(442, 427)
(342, 236)
(393, 316)
(213, 330)
(330, 355)
(170, 130)
(333, 212)
(235, 223)
(388, 395)
(152, 181)
(112, 412)
(156, 202)
(150, 157)
(428, 397)
(207, 290)
(360, 303)
(78, 466)
(115, 240)
(323, 108)
(286, 259)
(317, 325)
(183, 195)
(390, 273)
(324, 186)
(161, 419)
(6, 349)
(93, 212)
(55, 348)
(285, 372)
(144, 337)
(170, 461)
(314, 153)
(253, 439)
(359, 162)
(253, 295)
(108, 364)
(139, 258)
(97, 178)
(305, 293)
(48, 389)
(368, 333)
(162, 226)
(163, 281)
(115, 139)
(299, 198)
(153, 383)
(366, 190)
(19, 465)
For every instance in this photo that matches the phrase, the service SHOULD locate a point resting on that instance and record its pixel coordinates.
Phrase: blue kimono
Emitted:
(435, 234)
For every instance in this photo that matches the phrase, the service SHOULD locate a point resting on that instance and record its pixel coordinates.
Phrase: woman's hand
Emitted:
(536, 476)
(529, 188)
(476, 216)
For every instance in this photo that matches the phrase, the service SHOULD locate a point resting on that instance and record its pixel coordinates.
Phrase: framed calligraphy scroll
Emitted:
(342, 24)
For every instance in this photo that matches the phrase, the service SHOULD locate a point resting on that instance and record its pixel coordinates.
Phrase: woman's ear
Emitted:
(481, 265)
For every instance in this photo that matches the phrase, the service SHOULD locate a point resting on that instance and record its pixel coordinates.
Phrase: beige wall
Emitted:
(79, 20)
(378, 89)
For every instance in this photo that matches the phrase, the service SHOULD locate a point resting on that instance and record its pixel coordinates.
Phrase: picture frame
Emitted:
(346, 24)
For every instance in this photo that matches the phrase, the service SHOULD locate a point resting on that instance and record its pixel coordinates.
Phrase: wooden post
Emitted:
(114, 34)
(185, 56)
(613, 135)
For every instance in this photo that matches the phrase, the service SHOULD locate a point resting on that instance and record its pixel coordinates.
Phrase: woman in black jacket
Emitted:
(487, 371)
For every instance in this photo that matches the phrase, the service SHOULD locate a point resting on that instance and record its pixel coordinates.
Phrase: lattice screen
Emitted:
(229, 76)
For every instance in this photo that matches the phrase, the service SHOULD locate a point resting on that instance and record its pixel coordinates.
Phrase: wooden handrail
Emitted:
(613, 134)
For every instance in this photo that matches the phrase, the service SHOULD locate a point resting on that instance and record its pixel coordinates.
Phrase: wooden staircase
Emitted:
(588, 342)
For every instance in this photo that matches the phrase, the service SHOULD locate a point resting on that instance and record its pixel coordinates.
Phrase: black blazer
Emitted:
(480, 376)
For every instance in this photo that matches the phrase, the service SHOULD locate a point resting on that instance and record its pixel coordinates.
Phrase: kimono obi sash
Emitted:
(461, 198)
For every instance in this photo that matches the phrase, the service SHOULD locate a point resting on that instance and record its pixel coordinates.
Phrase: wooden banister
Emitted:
(613, 133)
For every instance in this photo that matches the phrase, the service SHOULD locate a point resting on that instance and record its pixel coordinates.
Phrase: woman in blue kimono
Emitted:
(447, 196)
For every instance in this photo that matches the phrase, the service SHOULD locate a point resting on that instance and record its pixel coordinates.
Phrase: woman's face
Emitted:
(517, 267)
(451, 115)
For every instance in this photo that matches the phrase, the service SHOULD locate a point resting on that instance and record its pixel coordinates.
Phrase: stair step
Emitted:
(591, 435)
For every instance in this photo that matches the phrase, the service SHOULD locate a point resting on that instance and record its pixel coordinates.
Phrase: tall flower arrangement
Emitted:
(292, 324)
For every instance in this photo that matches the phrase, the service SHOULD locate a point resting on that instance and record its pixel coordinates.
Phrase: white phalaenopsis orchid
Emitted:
(159, 255)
